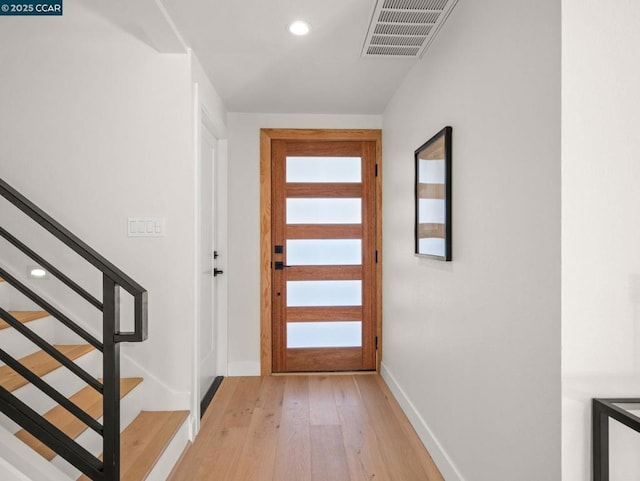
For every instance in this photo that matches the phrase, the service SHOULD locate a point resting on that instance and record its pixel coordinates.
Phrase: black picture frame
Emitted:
(433, 197)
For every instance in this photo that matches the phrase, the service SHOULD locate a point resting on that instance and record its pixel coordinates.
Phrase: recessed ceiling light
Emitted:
(37, 272)
(299, 27)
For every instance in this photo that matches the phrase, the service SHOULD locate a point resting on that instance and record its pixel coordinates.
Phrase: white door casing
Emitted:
(209, 356)
(207, 331)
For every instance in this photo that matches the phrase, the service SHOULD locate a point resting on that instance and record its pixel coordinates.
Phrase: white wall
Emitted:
(472, 347)
(600, 228)
(209, 99)
(244, 223)
(96, 126)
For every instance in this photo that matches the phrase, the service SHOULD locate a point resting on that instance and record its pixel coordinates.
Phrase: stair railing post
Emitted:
(111, 382)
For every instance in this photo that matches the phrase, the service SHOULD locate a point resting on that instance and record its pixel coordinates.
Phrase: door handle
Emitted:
(217, 272)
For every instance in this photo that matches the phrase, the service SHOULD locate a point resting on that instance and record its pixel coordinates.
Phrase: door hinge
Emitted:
(376, 170)
(376, 257)
(376, 343)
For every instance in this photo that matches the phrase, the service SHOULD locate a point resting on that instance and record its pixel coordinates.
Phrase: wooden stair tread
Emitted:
(24, 317)
(143, 442)
(89, 400)
(41, 364)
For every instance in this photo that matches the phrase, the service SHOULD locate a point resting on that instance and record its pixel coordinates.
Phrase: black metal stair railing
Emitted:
(112, 280)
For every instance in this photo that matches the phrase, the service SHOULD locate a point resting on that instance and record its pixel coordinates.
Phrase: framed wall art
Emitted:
(433, 197)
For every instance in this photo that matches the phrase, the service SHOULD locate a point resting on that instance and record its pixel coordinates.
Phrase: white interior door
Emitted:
(208, 325)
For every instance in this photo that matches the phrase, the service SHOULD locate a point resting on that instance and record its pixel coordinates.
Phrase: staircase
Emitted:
(67, 413)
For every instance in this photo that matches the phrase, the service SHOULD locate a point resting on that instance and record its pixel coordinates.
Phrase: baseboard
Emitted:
(438, 454)
(20, 462)
(157, 396)
(9, 473)
(208, 397)
(237, 369)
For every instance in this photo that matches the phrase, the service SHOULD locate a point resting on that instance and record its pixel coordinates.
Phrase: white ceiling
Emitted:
(257, 66)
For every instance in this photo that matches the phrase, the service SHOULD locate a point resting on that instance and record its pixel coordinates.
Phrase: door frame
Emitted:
(204, 119)
(266, 248)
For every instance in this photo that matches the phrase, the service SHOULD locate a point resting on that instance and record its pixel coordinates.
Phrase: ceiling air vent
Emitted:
(405, 28)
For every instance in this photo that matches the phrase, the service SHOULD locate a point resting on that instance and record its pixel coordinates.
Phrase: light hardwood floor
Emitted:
(306, 428)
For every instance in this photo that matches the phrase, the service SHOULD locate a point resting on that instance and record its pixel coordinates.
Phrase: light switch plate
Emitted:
(146, 226)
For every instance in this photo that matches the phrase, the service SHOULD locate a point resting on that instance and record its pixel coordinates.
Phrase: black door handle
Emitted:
(277, 265)
(217, 272)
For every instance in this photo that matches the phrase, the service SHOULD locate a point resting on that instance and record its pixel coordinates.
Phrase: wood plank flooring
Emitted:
(305, 428)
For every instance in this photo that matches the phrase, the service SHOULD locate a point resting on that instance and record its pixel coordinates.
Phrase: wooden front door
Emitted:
(323, 255)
